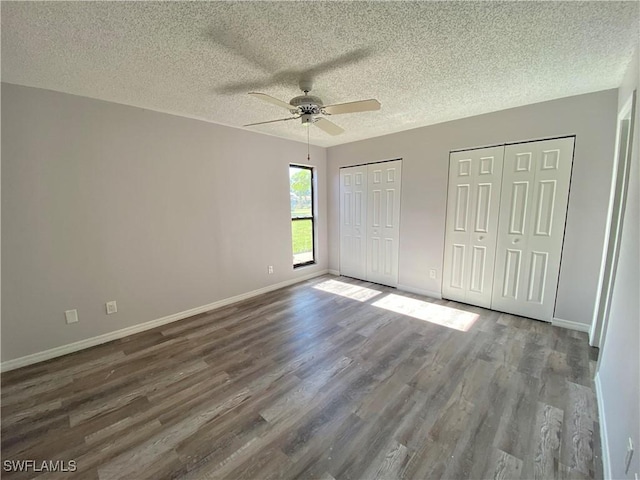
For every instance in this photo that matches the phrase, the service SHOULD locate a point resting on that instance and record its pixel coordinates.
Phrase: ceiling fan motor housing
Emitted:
(307, 104)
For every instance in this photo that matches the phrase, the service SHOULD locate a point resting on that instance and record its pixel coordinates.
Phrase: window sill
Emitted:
(306, 264)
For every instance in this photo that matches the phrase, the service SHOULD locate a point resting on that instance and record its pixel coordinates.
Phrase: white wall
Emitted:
(161, 213)
(425, 154)
(619, 368)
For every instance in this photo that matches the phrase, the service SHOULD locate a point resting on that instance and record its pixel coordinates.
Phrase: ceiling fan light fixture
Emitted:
(307, 119)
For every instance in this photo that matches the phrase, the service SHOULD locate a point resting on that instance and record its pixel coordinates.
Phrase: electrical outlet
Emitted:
(628, 456)
(433, 273)
(270, 269)
(71, 316)
(112, 307)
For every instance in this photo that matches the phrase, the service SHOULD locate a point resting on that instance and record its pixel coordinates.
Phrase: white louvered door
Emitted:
(370, 221)
(472, 221)
(353, 227)
(535, 191)
(383, 222)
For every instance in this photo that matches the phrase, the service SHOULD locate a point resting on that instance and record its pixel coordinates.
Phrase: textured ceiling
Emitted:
(426, 62)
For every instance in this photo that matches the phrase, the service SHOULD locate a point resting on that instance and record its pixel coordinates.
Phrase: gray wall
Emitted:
(619, 368)
(161, 213)
(425, 154)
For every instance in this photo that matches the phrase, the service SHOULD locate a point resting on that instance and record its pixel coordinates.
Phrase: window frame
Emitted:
(312, 217)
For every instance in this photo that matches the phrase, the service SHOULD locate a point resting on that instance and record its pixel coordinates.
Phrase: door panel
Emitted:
(457, 266)
(519, 197)
(483, 208)
(388, 254)
(383, 229)
(544, 212)
(389, 209)
(353, 191)
(511, 274)
(462, 207)
(531, 227)
(472, 221)
(537, 276)
(478, 265)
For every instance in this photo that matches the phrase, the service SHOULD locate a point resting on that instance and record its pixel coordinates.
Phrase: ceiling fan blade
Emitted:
(271, 121)
(343, 60)
(268, 98)
(353, 107)
(328, 127)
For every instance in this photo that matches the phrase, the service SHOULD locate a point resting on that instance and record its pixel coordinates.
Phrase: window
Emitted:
(302, 220)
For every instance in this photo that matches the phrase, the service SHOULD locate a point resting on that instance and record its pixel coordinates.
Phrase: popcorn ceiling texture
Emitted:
(427, 62)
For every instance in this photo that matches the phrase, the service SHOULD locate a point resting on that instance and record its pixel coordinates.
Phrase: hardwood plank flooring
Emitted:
(332, 378)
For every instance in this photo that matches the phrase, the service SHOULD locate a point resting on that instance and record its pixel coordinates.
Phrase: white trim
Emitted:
(604, 440)
(141, 327)
(334, 272)
(571, 325)
(598, 325)
(420, 291)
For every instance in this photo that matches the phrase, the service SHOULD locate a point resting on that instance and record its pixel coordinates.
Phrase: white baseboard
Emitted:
(420, 291)
(604, 440)
(334, 272)
(141, 327)
(580, 327)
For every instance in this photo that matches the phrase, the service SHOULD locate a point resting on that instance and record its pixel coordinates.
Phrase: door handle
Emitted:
(480, 238)
(515, 240)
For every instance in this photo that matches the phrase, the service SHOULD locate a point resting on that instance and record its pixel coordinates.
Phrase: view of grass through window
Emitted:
(302, 221)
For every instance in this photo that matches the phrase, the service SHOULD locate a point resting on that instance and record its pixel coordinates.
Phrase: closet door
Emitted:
(383, 222)
(535, 191)
(353, 210)
(472, 221)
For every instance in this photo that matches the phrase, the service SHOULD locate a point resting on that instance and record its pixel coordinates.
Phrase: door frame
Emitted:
(615, 219)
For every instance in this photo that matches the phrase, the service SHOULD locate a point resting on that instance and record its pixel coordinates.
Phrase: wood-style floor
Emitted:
(320, 380)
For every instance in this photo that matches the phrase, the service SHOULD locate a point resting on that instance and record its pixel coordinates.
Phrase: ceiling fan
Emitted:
(311, 110)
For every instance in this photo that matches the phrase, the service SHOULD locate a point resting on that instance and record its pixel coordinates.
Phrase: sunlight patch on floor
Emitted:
(354, 292)
(429, 312)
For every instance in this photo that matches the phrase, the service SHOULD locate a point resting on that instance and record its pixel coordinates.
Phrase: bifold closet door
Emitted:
(471, 226)
(535, 191)
(383, 222)
(370, 221)
(353, 227)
